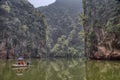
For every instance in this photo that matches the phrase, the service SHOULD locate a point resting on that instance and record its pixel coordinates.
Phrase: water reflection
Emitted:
(103, 70)
(62, 69)
(21, 70)
(57, 69)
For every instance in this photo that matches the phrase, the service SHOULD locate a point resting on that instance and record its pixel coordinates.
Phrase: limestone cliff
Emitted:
(102, 28)
(22, 29)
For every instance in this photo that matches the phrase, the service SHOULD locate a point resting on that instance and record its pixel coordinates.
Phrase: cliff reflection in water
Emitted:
(60, 69)
(103, 70)
(63, 69)
(46, 69)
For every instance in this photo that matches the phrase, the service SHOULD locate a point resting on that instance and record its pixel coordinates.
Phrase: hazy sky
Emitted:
(38, 3)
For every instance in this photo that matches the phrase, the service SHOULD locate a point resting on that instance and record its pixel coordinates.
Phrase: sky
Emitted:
(38, 3)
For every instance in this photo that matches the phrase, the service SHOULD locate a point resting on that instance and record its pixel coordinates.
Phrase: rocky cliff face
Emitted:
(102, 28)
(64, 27)
(22, 29)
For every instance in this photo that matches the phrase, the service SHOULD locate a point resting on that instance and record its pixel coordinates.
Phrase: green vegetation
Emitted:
(81, 35)
(83, 18)
(113, 25)
(63, 38)
(65, 47)
(22, 29)
(101, 21)
(6, 7)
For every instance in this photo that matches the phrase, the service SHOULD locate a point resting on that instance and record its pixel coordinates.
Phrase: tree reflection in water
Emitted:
(63, 69)
(47, 69)
(103, 70)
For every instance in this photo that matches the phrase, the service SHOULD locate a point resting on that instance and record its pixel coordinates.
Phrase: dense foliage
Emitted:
(63, 33)
(101, 22)
(22, 29)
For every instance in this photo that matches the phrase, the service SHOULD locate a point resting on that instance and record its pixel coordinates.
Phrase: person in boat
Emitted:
(28, 63)
(21, 61)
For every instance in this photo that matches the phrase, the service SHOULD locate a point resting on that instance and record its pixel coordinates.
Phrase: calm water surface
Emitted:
(62, 69)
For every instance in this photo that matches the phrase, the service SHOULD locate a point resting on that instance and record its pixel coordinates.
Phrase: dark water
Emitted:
(62, 69)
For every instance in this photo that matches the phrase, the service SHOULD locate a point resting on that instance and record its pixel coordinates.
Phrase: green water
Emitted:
(62, 69)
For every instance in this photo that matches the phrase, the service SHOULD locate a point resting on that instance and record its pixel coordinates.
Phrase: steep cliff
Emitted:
(64, 27)
(22, 29)
(102, 28)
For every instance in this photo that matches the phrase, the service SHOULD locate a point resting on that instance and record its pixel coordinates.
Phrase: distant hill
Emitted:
(63, 28)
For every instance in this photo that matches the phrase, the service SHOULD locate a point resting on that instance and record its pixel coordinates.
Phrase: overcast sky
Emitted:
(38, 3)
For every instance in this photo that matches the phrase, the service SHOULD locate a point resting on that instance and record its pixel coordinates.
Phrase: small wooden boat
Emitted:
(21, 63)
(17, 66)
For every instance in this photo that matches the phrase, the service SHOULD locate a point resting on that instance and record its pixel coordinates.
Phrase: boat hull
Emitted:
(18, 66)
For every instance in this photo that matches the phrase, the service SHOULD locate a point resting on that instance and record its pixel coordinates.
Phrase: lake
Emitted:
(61, 69)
